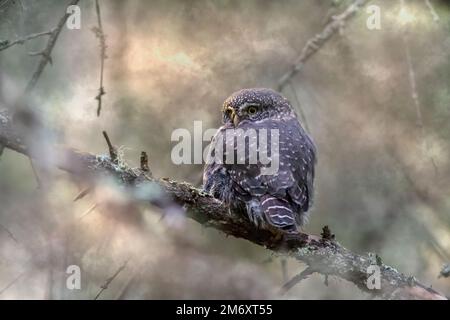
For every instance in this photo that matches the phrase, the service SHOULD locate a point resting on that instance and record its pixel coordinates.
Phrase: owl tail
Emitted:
(278, 213)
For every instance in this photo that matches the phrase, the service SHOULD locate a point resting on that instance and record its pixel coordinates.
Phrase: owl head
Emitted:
(255, 104)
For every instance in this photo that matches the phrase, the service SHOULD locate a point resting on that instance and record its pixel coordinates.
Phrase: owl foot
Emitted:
(254, 214)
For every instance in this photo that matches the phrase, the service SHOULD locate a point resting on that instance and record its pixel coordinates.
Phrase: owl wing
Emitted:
(294, 179)
(215, 176)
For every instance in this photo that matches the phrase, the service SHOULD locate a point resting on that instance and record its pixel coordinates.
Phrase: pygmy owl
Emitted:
(277, 198)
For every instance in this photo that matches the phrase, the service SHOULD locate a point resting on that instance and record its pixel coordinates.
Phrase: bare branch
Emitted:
(5, 44)
(46, 52)
(109, 280)
(432, 11)
(9, 285)
(102, 39)
(325, 256)
(314, 44)
(82, 194)
(297, 279)
(284, 270)
(10, 234)
(88, 211)
(414, 91)
(112, 149)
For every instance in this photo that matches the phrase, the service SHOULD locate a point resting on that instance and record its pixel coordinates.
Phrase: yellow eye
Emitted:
(252, 110)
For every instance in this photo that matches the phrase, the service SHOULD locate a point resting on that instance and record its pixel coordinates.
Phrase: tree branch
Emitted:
(432, 11)
(297, 279)
(5, 44)
(314, 44)
(47, 51)
(98, 31)
(108, 281)
(323, 254)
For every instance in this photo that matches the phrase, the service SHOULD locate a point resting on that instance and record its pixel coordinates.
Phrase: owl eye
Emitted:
(252, 110)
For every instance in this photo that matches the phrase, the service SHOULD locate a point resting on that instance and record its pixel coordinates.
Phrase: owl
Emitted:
(272, 199)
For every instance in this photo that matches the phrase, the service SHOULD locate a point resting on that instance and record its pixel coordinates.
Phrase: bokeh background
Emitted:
(383, 175)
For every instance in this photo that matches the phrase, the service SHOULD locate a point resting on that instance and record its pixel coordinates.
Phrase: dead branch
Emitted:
(314, 44)
(98, 31)
(47, 51)
(82, 194)
(323, 254)
(297, 279)
(9, 285)
(10, 234)
(112, 150)
(414, 91)
(110, 279)
(5, 44)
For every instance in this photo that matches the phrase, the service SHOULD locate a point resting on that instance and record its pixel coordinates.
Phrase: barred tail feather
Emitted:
(278, 212)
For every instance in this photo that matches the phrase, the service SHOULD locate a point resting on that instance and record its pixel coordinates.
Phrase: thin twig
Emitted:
(102, 39)
(284, 271)
(314, 44)
(296, 279)
(5, 44)
(414, 91)
(432, 11)
(88, 211)
(110, 279)
(82, 194)
(35, 173)
(112, 149)
(127, 287)
(299, 107)
(9, 285)
(46, 52)
(10, 234)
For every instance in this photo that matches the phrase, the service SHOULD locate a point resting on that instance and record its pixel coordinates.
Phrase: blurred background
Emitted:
(376, 102)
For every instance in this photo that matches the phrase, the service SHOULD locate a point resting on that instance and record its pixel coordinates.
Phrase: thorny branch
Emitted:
(98, 31)
(47, 51)
(5, 44)
(325, 255)
(314, 44)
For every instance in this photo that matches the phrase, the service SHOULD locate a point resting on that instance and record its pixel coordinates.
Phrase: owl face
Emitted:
(254, 105)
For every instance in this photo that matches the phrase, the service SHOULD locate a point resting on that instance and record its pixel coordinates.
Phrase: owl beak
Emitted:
(235, 118)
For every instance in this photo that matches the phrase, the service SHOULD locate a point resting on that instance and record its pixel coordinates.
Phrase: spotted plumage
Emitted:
(279, 199)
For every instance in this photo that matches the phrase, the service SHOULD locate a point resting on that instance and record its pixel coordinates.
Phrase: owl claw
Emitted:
(256, 218)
